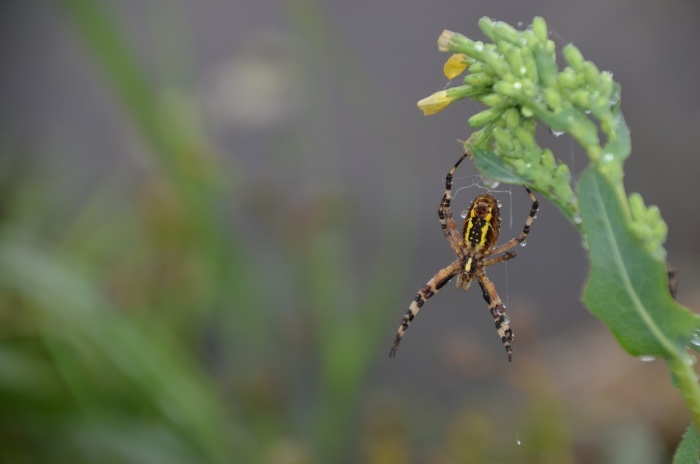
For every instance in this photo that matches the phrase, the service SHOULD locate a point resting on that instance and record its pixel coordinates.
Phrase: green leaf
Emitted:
(628, 288)
(492, 166)
(688, 450)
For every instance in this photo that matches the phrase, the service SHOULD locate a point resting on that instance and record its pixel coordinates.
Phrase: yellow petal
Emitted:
(455, 65)
(434, 103)
(444, 40)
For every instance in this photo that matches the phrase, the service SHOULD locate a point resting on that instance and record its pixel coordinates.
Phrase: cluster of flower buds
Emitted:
(648, 225)
(519, 70)
(517, 78)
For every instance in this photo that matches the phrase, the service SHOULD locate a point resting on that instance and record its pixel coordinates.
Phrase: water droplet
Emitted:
(517, 85)
(647, 358)
(519, 442)
(479, 46)
(463, 214)
(534, 217)
(691, 360)
(556, 133)
(490, 183)
(608, 157)
(506, 319)
(584, 242)
(499, 203)
(695, 339)
(519, 24)
(523, 70)
(577, 219)
(523, 243)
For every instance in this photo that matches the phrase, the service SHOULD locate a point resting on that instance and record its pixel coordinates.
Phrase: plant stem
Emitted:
(686, 377)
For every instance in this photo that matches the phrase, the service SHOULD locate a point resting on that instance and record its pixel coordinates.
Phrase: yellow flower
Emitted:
(455, 65)
(444, 40)
(435, 103)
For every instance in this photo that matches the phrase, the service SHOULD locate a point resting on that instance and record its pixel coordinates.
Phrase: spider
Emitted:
(475, 249)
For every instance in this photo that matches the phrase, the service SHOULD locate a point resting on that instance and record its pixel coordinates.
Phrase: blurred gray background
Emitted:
(310, 100)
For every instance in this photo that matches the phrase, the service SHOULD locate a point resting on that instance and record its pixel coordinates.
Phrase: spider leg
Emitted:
(526, 230)
(449, 226)
(431, 288)
(498, 259)
(498, 311)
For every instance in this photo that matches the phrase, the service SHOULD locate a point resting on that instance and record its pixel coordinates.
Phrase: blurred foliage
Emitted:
(141, 326)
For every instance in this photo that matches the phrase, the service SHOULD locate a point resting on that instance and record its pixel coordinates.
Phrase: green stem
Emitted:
(686, 377)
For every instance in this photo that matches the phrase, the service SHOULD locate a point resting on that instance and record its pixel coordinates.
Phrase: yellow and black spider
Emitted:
(475, 249)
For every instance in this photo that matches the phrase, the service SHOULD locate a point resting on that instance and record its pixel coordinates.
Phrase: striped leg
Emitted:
(498, 311)
(498, 259)
(449, 227)
(526, 230)
(430, 289)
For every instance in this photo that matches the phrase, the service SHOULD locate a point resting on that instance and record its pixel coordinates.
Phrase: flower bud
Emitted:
(434, 103)
(478, 80)
(573, 56)
(444, 40)
(568, 78)
(455, 65)
(539, 27)
(505, 31)
(485, 117)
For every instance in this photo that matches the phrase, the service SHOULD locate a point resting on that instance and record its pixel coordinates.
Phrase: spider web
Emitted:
(489, 186)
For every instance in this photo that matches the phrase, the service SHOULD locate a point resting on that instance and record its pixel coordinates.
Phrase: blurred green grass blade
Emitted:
(163, 118)
(627, 288)
(120, 66)
(109, 363)
(688, 451)
(351, 327)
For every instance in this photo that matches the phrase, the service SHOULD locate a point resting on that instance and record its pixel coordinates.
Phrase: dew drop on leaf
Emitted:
(695, 339)
(490, 183)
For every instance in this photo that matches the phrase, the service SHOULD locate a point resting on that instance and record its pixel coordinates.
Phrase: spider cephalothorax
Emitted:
(475, 249)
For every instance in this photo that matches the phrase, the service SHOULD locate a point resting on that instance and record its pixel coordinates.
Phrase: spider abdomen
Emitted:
(482, 225)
